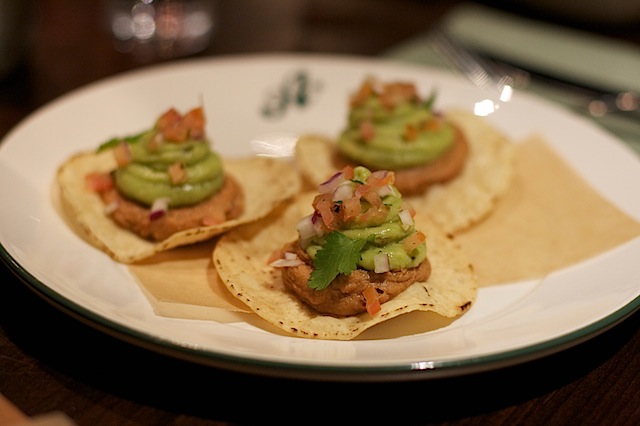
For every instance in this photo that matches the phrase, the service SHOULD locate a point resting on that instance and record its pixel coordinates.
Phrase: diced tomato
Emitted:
(122, 154)
(381, 178)
(371, 300)
(397, 93)
(350, 209)
(362, 189)
(98, 182)
(168, 119)
(178, 128)
(347, 172)
(323, 204)
(373, 215)
(372, 198)
(194, 121)
(176, 133)
(413, 241)
(177, 173)
(155, 142)
(367, 130)
(410, 133)
(433, 124)
(365, 91)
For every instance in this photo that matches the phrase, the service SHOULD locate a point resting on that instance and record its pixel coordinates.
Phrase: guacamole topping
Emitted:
(366, 209)
(172, 161)
(391, 127)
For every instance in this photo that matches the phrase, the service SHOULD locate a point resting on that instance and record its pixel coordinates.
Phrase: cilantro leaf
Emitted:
(338, 255)
(111, 143)
(431, 100)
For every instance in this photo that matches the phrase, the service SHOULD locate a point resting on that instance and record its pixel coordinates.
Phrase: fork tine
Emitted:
(472, 66)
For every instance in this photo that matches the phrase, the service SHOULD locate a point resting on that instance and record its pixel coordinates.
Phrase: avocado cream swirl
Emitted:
(366, 207)
(173, 161)
(390, 127)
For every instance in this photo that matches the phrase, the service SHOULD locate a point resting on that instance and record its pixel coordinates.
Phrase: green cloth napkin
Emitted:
(574, 55)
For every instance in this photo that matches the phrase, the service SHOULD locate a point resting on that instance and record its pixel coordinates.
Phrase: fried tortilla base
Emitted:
(455, 205)
(241, 258)
(266, 182)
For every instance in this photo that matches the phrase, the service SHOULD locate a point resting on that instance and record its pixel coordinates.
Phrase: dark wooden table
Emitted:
(50, 361)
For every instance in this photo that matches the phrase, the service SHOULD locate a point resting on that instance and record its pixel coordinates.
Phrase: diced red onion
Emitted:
(315, 216)
(111, 207)
(405, 218)
(380, 174)
(381, 263)
(343, 191)
(306, 228)
(318, 224)
(159, 208)
(330, 184)
(289, 260)
(385, 190)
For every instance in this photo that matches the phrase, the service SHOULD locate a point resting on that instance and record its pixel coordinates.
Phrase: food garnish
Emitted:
(254, 262)
(451, 164)
(360, 222)
(338, 255)
(391, 127)
(138, 195)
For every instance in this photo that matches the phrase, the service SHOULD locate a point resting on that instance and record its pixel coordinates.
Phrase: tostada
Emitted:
(450, 163)
(335, 263)
(165, 187)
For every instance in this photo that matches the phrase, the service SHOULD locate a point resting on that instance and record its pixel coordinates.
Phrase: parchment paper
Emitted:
(549, 219)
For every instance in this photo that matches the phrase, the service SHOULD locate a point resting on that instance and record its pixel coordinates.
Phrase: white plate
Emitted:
(508, 325)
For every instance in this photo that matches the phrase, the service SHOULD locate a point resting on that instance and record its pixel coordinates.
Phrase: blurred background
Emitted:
(49, 47)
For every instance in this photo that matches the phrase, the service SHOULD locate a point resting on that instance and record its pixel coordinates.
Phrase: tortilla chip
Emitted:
(455, 205)
(554, 238)
(546, 221)
(241, 257)
(266, 182)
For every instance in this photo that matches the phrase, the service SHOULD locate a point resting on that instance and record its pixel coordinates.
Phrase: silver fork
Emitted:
(498, 75)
